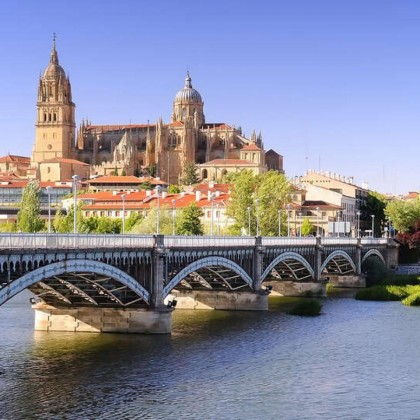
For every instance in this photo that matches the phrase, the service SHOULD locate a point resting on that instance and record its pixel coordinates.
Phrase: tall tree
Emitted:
(148, 225)
(258, 198)
(190, 176)
(307, 227)
(375, 205)
(189, 221)
(28, 217)
(405, 215)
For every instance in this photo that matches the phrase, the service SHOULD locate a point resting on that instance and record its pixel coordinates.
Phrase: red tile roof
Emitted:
(15, 159)
(132, 180)
(252, 147)
(116, 127)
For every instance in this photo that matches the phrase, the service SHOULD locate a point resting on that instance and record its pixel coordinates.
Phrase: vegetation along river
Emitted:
(358, 360)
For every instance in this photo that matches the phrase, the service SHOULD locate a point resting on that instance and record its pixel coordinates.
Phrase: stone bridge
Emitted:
(131, 283)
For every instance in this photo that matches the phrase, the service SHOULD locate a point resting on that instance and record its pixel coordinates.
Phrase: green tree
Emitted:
(375, 204)
(307, 227)
(189, 221)
(148, 225)
(174, 189)
(28, 217)
(123, 172)
(258, 197)
(64, 221)
(405, 215)
(190, 176)
(115, 171)
(132, 220)
(146, 185)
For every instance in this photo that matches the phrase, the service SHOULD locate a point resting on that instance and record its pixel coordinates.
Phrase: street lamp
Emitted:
(218, 218)
(279, 222)
(389, 228)
(358, 223)
(173, 217)
(249, 221)
(373, 225)
(48, 188)
(300, 224)
(288, 220)
(123, 213)
(338, 224)
(75, 179)
(257, 201)
(158, 189)
(212, 211)
(317, 221)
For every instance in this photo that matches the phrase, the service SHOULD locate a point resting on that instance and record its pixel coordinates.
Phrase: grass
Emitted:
(394, 288)
(308, 307)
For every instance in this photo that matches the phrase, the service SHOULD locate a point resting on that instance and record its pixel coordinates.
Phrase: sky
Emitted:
(331, 85)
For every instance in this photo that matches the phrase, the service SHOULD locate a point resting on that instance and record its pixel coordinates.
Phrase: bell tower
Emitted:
(55, 124)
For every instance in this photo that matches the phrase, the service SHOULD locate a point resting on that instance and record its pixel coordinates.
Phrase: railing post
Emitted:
(358, 261)
(391, 254)
(318, 259)
(259, 251)
(156, 298)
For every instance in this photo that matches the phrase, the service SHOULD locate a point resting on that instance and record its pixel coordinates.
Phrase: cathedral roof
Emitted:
(64, 160)
(228, 162)
(14, 159)
(115, 127)
(188, 93)
(54, 70)
(251, 147)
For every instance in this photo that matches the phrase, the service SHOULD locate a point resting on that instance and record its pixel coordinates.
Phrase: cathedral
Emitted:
(161, 149)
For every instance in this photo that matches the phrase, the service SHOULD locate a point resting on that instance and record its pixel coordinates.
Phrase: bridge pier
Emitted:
(102, 320)
(294, 288)
(352, 280)
(231, 301)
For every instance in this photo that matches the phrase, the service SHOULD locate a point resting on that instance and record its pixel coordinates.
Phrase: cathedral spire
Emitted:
(54, 55)
(188, 81)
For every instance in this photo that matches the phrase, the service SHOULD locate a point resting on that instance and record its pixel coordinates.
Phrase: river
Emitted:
(358, 360)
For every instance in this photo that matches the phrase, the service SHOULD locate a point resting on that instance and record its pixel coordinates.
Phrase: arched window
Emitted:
(204, 174)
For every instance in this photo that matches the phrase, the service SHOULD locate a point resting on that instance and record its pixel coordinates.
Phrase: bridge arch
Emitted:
(207, 262)
(71, 266)
(373, 252)
(288, 256)
(338, 255)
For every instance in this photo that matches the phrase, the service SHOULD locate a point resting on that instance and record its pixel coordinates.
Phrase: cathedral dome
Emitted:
(54, 70)
(188, 93)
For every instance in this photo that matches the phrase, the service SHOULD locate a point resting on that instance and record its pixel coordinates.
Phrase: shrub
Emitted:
(380, 293)
(306, 308)
(412, 300)
(375, 271)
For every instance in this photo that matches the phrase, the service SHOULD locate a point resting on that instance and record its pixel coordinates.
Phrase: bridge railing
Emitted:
(273, 241)
(207, 241)
(81, 241)
(374, 241)
(339, 241)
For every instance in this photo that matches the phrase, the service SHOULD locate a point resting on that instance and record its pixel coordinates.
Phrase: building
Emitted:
(161, 149)
(16, 165)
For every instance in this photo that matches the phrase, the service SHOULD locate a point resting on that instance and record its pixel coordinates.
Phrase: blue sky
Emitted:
(332, 85)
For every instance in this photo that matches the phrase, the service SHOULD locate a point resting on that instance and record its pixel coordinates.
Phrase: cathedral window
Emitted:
(49, 117)
(55, 117)
(204, 174)
(45, 117)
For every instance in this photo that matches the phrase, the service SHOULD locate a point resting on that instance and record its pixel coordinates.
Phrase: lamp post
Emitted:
(338, 224)
(249, 221)
(218, 218)
(173, 217)
(48, 188)
(257, 201)
(373, 225)
(75, 179)
(317, 221)
(212, 213)
(158, 189)
(389, 228)
(300, 224)
(288, 220)
(123, 213)
(358, 223)
(279, 222)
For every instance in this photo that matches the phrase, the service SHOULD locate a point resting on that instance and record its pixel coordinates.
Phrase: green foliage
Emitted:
(189, 176)
(132, 220)
(381, 293)
(307, 227)
(148, 225)
(375, 270)
(8, 227)
(146, 185)
(308, 307)
(174, 189)
(152, 170)
(115, 171)
(189, 221)
(272, 191)
(405, 215)
(28, 217)
(412, 300)
(64, 222)
(376, 204)
(123, 173)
